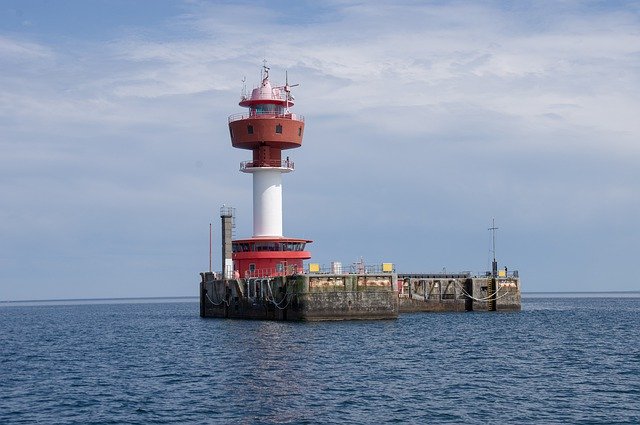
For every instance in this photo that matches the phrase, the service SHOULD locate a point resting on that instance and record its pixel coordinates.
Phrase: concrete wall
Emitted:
(458, 294)
(350, 282)
(301, 297)
(343, 305)
(432, 294)
(507, 294)
(350, 296)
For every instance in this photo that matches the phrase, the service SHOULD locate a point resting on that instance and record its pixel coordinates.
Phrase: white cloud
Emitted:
(20, 50)
(407, 105)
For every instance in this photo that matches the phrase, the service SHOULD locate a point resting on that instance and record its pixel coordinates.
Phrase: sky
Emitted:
(425, 120)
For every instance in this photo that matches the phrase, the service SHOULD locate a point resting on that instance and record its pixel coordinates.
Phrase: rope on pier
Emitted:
(216, 304)
(487, 298)
(286, 297)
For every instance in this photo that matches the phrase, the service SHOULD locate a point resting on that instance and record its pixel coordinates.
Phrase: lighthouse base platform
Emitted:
(316, 297)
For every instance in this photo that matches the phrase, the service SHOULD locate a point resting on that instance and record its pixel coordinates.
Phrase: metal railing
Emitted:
(268, 114)
(355, 268)
(273, 271)
(226, 211)
(276, 163)
(509, 274)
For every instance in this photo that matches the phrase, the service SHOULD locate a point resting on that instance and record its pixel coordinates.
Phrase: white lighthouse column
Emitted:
(267, 201)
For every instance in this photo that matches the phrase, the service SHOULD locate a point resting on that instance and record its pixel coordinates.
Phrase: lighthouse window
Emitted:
(279, 129)
(299, 131)
(250, 129)
(266, 246)
(265, 109)
(241, 247)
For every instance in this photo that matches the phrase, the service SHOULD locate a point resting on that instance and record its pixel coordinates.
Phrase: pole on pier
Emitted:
(493, 285)
(494, 265)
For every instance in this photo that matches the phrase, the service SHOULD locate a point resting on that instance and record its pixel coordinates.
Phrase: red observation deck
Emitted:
(268, 128)
(263, 257)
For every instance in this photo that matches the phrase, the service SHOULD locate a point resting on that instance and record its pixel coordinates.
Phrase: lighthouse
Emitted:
(263, 275)
(267, 129)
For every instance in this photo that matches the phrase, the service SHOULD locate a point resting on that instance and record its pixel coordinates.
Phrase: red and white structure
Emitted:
(267, 129)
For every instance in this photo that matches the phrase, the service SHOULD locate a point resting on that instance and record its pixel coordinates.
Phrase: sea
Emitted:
(563, 359)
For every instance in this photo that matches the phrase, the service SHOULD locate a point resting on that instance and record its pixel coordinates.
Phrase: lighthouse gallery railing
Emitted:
(266, 114)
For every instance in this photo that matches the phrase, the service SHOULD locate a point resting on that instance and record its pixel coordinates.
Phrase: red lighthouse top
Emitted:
(279, 96)
(269, 124)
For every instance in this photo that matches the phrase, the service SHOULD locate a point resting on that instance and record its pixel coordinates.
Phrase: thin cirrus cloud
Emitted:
(449, 112)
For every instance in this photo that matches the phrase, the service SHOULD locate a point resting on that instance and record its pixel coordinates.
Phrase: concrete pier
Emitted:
(313, 297)
(299, 297)
(460, 292)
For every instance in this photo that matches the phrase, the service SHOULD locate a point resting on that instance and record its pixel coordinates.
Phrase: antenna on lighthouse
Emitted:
(265, 72)
(287, 90)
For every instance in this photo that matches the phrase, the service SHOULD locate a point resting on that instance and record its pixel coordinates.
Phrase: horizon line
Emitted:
(196, 296)
(100, 299)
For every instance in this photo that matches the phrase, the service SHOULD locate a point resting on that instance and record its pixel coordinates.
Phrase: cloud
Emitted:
(423, 121)
(20, 50)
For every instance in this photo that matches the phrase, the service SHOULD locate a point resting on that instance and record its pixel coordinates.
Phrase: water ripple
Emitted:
(558, 361)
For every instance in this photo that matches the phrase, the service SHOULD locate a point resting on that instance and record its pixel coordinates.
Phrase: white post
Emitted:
(228, 268)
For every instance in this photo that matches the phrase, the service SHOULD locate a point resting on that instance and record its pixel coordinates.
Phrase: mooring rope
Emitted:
(216, 304)
(286, 297)
(487, 298)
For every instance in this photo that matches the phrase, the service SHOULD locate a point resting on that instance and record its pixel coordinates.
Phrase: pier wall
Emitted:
(507, 294)
(352, 296)
(312, 297)
(300, 297)
(459, 293)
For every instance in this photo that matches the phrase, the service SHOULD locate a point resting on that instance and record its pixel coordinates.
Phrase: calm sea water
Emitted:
(560, 360)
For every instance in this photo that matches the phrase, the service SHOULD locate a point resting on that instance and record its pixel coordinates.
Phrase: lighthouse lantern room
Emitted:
(268, 128)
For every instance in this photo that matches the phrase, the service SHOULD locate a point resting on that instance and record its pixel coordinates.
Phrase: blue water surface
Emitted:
(560, 360)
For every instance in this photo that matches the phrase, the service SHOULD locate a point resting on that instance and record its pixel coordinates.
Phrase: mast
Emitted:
(494, 264)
